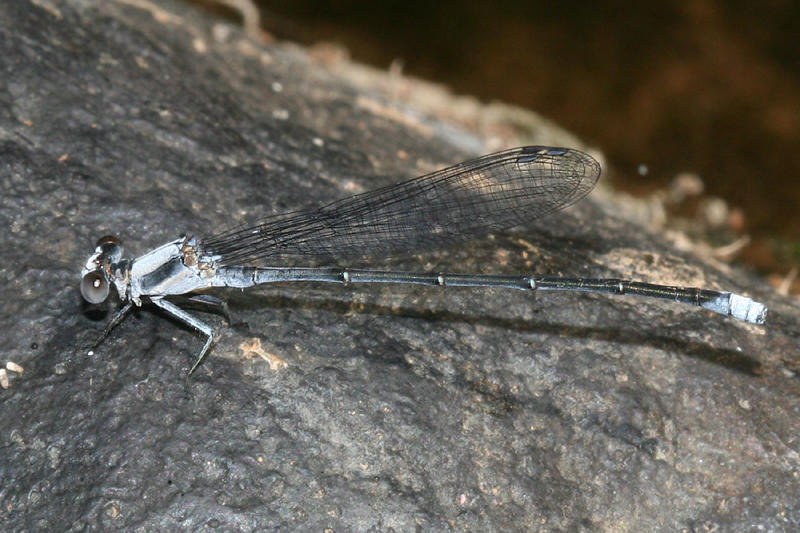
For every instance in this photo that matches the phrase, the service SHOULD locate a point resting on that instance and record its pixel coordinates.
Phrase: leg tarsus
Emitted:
(202, 354)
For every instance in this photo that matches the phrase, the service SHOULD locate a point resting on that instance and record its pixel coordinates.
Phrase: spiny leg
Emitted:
(220, 306)
(188, 319)
(118, 317)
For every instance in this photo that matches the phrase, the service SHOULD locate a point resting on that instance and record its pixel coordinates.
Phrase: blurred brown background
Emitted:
(707, 87)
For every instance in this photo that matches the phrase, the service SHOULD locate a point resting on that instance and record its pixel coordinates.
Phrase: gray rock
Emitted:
(384, 409)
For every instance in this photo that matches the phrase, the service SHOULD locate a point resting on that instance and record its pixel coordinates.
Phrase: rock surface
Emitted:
(346, 408)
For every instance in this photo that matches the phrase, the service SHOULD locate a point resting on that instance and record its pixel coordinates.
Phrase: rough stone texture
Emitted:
(397, 410)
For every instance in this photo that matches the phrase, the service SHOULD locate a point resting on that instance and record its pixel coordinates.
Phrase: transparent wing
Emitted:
(487, 194)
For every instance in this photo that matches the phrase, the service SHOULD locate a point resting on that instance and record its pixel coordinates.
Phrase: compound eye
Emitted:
(108, 239)
(94, 287)
(110, 249)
